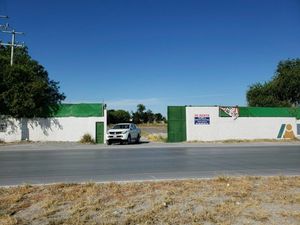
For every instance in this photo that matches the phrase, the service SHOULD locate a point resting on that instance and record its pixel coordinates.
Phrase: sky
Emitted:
(157, 52)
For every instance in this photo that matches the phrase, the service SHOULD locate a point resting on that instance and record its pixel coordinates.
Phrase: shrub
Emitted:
(157, 138)
(87, 139)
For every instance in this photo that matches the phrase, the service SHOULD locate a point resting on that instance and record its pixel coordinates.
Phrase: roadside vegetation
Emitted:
(223, 200)
(157, 138)
(87, 139)
(156, 132)
(140, 116)
(237, 141)
(26, 91)
(283, 90)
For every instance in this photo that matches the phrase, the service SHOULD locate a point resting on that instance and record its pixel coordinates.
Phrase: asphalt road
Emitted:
(145, 163)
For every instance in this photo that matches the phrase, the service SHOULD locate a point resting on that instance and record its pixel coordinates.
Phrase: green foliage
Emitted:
(282, 90)
(87, 139)
(117, 116)
(149, 116)
(25, 88)
(140, 116)
(141, 108)
(158, 117)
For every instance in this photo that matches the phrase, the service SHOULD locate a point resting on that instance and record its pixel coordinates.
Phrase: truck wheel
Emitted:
(137, 140)
(129, 139)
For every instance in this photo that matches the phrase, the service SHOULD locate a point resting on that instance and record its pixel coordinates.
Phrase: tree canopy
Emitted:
(117, 116)
(25, 87)
(143, 116)
(140, 116)
(282, 90)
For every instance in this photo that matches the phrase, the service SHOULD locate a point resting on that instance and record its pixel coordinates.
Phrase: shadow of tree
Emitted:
(46, 124)
(22, 125)
(10, 124)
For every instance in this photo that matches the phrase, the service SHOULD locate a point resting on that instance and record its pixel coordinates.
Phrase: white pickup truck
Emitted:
(123, 133)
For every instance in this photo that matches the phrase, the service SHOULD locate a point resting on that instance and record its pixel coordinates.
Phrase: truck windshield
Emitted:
(121, 126)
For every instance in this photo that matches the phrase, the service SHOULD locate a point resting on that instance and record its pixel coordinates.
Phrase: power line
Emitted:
(13, 44)
(5, 26)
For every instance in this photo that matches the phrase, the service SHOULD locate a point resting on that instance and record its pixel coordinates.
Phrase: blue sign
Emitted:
(201, 119)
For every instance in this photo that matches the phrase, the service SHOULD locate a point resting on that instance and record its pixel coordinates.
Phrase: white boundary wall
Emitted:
(51, 129)
(225, 128)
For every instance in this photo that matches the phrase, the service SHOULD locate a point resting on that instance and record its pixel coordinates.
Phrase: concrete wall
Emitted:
(51, 129)
(224, 128)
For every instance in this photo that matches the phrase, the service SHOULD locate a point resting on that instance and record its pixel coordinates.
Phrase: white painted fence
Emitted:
(51, 129)
(225, 128)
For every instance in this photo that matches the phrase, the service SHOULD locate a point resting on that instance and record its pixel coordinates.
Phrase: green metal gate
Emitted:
(176, 123)
(99, 132)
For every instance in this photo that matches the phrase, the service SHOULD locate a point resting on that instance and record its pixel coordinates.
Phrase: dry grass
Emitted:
(156, 138)
(152, 125)
(154, 132)
(87, 139)
(260, 140)
(233, 141)
(224, 200)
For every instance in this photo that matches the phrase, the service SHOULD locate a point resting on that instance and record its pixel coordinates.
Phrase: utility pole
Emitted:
(12, 44)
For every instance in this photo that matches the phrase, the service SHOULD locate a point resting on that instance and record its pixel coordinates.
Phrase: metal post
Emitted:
(12, 44)
(12, 47)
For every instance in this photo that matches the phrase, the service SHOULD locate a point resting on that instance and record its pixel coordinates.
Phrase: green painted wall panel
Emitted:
(79, 110)
(176, 123)
(265, 112)
(99, 132)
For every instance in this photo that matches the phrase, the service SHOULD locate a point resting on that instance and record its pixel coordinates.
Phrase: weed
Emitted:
(156, 138)
(222, 200)
(87, 139)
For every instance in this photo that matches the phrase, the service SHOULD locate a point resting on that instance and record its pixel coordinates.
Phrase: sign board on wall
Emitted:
(201, 119)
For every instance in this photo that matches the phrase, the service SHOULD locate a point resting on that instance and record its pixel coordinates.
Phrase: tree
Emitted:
(141, 108)
(25, 88)
(149, 116)
(158, 117)
(263, 95)
(139, 115)
(287, 82)
(117, 116)
(282, 90)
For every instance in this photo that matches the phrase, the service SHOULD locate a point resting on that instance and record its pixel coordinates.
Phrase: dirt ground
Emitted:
(153, 128)
(247, 200)
(154, 132)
